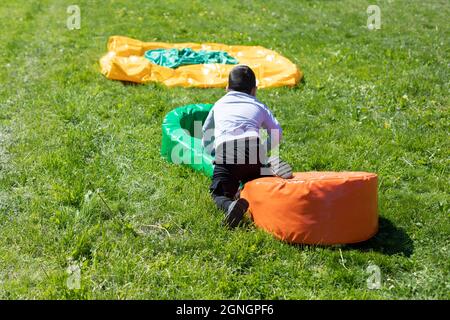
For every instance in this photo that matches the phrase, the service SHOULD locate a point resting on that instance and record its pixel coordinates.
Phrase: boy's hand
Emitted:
(280, 168)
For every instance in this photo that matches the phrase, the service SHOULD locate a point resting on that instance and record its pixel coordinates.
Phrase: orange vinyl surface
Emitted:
(316, 207)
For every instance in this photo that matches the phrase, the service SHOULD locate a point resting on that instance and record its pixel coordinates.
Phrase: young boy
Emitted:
(236, 120)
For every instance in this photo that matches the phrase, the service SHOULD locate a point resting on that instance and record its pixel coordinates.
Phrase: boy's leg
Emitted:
(223, 187)
(253, 159)
(240, 163)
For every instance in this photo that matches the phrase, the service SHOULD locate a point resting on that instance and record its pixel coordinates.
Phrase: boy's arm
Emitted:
(275, 133)
(278, 167)
(208, 131)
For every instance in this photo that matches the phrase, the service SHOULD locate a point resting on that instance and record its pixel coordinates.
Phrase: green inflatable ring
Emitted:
(181, 138)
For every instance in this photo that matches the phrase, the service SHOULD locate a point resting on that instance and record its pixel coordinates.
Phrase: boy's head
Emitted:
(242, 79)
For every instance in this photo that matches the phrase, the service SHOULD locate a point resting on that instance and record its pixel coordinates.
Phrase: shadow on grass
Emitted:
(300, 85)
(130, 83)
(389, 240)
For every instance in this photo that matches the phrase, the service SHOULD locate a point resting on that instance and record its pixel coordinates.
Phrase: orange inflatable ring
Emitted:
(315, 207)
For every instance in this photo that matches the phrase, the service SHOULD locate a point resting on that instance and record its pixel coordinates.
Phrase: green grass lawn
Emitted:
(82, 181)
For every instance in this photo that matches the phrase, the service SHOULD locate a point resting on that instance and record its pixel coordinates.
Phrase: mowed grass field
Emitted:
(82, 182)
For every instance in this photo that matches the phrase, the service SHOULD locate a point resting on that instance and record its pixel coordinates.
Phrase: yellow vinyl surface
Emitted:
(125, 61)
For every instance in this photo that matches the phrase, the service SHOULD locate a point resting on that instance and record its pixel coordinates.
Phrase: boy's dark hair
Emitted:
(242, 79)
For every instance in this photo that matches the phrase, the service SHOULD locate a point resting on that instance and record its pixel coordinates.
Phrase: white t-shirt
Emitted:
(239, 115)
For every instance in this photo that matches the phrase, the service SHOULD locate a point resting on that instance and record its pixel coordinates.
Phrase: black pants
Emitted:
(230, 171)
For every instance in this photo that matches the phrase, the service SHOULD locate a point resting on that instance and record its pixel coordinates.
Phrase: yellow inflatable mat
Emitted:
(125, 61)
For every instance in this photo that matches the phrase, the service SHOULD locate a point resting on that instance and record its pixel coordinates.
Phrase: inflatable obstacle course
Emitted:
(126, 61)
(174, 58)
(311, 208)
(315, 207)
(182, 140)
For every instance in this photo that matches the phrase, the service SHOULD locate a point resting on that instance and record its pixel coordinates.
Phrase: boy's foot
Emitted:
(280, 168)
(236, 212)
